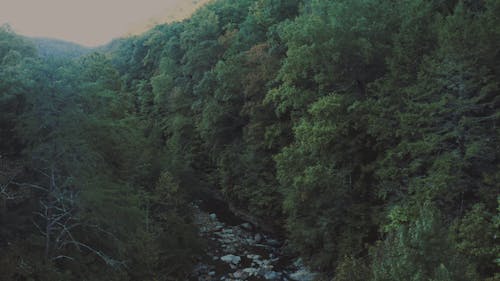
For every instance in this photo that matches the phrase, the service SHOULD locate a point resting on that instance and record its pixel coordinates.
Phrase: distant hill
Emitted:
(48, 47)
(180, 9)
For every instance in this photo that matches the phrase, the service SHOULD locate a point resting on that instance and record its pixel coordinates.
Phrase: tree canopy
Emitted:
(365, 131)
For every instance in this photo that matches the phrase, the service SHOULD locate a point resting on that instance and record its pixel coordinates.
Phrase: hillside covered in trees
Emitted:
(364, 131)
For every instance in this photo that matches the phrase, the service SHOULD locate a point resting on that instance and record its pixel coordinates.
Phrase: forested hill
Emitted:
(367, 131)
(47, 47)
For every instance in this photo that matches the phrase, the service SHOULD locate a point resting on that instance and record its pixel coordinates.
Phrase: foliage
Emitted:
(73, 208)
(367, 130)
(340, 119)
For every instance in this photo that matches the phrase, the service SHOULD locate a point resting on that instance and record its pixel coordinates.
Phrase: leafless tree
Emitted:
(58, 218)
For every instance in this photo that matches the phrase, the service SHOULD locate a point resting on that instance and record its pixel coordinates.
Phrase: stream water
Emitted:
(237, 250)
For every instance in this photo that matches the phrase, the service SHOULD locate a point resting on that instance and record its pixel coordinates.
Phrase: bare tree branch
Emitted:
(107, 259)
(30, 185)
(62, 257)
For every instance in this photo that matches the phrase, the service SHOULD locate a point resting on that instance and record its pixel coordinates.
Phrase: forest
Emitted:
(363, 131)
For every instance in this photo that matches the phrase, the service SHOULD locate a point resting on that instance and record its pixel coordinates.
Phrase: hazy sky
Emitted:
(88, 22)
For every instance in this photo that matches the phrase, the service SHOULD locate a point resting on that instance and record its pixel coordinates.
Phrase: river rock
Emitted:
(257, 238)
(246, 226)
(251, 271)
(240, 274)
(232, 259)
(273, 243)
(303, 275)
(237, 247)
(253, 257)
(272, 275)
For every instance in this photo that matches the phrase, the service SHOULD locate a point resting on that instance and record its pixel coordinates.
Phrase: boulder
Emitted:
(251, 271)
(227, 231)
(240, 274)
(303, 275)
(272, 275)
(231, 259)
(257, 238)
(246, 226)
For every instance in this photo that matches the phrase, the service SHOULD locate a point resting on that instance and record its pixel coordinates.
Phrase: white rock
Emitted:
(240, 274)
(246, 226)
(232, 259)
(253, 257)
(272, 275)
(251, 271)
(213, 216)
(257, 238)
(303, 275)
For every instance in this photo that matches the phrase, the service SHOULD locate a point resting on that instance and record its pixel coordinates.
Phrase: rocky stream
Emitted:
(238, 250)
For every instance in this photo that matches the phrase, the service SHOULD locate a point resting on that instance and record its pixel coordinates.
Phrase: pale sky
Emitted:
(90, 22)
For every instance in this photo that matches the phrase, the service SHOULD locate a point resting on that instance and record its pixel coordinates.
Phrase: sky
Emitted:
(90, 22)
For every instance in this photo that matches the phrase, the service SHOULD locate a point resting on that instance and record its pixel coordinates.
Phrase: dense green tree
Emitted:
(369, 108)
(73, 210)
(16, 55)
(367, 130)
(420, 250)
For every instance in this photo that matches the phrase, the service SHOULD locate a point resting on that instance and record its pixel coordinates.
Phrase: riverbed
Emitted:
(238, 250)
